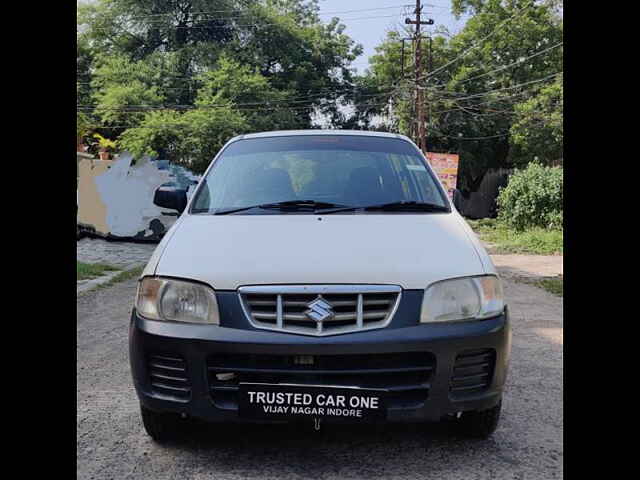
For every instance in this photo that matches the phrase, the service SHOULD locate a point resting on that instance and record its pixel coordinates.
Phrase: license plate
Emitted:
(285, 401)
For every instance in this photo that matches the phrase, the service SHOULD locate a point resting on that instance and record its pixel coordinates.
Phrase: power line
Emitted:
(477, 138)
(494, 100)
(131, 108)
(241, 14)
(209, 27)
(479, 42)
(246, 109)
(508, 88)
(168, 124)
(519, 61)
(274, 104)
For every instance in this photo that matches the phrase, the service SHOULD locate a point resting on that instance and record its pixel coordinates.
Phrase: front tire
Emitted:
(480, 424)
(160, 427)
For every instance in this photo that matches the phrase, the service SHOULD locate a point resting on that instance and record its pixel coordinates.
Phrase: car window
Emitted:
(345, 170)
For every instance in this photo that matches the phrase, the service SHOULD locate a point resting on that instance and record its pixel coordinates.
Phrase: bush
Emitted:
(532, 198)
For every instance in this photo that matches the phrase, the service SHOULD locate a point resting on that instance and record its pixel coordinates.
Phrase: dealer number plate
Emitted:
(285, 401)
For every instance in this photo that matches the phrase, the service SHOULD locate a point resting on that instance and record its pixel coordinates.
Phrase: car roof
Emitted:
(290, 133)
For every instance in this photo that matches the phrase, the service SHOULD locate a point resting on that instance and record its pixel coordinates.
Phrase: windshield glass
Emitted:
(356, 171)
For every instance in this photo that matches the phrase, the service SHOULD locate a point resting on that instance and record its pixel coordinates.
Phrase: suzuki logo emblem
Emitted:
(319, 310)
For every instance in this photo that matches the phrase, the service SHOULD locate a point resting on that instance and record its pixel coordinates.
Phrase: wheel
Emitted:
(159, 426)
(480, 424)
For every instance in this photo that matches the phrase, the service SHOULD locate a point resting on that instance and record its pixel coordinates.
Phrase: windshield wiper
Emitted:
(286, 205)
(407, 206)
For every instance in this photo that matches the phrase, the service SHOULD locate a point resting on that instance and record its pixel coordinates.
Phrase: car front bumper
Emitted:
(190, 357)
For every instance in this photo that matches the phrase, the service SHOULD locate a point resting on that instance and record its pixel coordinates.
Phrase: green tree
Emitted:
(266, 63)
(537, 133)
(507, 51)
(232, 99)
(190, 138)
(250, 92)
(122, 88)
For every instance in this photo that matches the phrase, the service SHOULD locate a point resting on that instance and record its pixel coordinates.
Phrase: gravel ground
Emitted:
(111, 443)
(118, 254)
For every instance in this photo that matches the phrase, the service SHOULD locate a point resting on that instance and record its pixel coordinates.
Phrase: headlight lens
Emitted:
(462, 299)
(176, 301)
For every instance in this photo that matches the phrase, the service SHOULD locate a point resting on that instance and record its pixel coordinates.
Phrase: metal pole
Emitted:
(419, 109)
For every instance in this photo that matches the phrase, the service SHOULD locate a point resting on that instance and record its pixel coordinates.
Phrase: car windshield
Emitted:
(320, 171)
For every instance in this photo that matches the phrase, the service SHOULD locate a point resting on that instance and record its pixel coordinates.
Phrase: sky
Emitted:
(370, 32)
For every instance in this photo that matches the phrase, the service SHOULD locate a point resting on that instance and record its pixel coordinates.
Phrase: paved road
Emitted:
(113, 445)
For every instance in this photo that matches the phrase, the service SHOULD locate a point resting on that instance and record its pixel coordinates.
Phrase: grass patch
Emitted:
(85, 271)
(551, 285)
(123, 276)
(503, 239)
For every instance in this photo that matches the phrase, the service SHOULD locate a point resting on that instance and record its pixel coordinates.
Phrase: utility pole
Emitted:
(419, 93)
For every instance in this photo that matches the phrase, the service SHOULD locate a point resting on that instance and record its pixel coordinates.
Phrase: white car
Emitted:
(319, 276)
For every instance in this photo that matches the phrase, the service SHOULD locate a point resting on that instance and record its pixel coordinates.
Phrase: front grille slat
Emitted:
(405, 375)
(320, 309)
(472, 360)
(477, 386)
(468, 378)
(472, 371)
(169, 387)
(165, 367)
(294, 371)
(469, 369)
(168, 376)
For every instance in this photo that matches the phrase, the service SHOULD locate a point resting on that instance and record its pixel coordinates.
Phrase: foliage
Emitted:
(553, 285)
(250, 92)
(505, 239)
(532, 198)
(537, 133)
(83, 125)
(104, 143)
(121, 87)
(123, 276)
(478, 86)
(157, 74)
(91, 270)
(194, 136)
(459, 7)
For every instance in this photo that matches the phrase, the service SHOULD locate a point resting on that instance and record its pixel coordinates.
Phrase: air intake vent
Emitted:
(473, 371)
(168, 376)
(406, 375)
(320, 309)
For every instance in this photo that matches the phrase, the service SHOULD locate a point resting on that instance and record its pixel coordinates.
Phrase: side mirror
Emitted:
(457, 199)
(173, 199)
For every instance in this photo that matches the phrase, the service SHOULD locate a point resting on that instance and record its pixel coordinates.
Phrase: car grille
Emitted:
(473, 371)
(406, 375)
(320, 310)
(168, 376)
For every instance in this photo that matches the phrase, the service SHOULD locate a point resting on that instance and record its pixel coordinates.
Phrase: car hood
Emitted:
(400, 249)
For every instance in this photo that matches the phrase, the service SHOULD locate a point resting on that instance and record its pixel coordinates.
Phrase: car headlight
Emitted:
(462, 299)
(176, 301)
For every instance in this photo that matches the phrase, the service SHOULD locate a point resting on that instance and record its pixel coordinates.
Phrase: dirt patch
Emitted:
(528, 266)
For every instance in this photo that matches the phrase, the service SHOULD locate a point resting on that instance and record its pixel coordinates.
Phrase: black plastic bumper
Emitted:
(197, 344)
